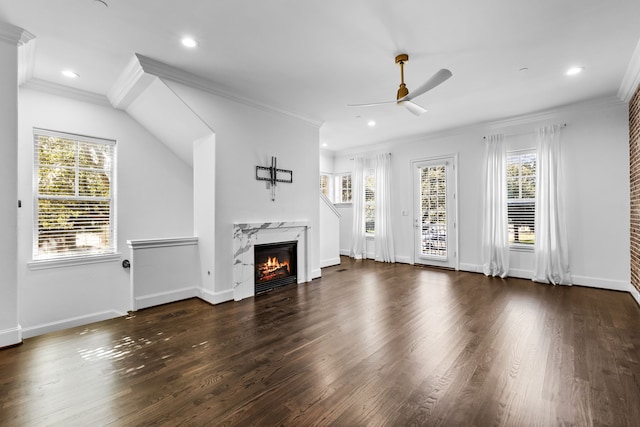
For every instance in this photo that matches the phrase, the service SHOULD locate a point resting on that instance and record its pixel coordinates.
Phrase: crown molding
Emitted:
(631, 79)
(129, 85)
(168, 72)
(26, 61)
(14, 35)
(507, 125)
(66, 91)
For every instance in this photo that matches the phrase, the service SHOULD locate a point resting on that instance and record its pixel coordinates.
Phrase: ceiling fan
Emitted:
(405, 97)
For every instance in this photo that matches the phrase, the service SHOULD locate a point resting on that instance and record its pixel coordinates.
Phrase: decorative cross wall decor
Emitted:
(273, 175)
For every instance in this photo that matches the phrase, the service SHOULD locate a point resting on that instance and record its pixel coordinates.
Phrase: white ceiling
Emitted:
(313, 57)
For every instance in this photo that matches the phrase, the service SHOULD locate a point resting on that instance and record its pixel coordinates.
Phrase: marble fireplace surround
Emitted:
(246, 235)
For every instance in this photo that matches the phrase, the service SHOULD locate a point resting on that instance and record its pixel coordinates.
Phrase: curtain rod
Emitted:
(563, 125)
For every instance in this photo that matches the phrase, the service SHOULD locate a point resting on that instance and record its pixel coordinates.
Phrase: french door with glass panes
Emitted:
(435, 213)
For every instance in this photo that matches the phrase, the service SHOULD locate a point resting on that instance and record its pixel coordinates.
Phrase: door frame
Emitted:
(451, 180)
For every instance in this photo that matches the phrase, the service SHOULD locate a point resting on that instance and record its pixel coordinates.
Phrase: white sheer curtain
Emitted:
(383, 233)
(495, 227)
(358, 233)
(551, 251)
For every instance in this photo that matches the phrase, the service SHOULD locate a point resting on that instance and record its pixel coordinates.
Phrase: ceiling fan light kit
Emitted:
(404, 97)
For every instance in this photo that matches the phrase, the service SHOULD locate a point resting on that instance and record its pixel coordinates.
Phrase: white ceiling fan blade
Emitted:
(372, 104)
(413, 107)
(435, 80)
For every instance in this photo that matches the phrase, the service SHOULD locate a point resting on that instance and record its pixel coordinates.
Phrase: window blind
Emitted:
(74, 203)
(521, 193)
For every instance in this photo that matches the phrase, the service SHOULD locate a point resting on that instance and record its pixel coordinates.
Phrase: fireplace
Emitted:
(275, 265)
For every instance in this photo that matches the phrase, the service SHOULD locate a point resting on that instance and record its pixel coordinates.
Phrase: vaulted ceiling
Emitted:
(312, 57)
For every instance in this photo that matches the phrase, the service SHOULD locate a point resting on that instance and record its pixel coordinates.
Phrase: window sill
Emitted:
(72, 261)
(521, 247)
(343, 204)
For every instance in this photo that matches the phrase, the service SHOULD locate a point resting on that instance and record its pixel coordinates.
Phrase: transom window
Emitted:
(74, 200)
(521, 196)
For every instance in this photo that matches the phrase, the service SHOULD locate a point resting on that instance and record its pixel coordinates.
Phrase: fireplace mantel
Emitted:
(246, 235)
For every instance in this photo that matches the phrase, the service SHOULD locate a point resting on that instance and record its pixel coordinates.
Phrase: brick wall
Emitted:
(634, 168)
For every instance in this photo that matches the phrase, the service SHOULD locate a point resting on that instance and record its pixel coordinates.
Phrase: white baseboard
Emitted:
(329, 262)
(69, 323)
(635, 294)
(146, 301)
(216, 297)
(11, 336)
(472, 268)
(345, 252)
(601, 283)
(316, 273)
(519, 273)
(403, 260)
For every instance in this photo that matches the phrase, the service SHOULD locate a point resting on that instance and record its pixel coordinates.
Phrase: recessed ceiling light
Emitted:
(189, 42)
(371, 123)
(324, 144)
(70, 74)
(574, 70)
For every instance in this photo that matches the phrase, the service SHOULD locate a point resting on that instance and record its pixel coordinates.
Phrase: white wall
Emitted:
(247, 136)
(326, 161)
(154, 200)
(9, 328)
(595, 152)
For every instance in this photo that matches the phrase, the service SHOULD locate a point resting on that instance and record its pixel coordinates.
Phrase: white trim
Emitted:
(329, 262)
(43, 264)
(631, 79)
(165, 71)
(331, 206)
(71, 322)
(11, 336)
(26, 61)
(216, 297)
(160, 298)
(472, 268)
(345, 252)
(131, 82)
(520, 273)
(161, 243)
(66, 91)
(14, 35)
(635, 294)
(403, 260)
(601, 283)
(315, 274)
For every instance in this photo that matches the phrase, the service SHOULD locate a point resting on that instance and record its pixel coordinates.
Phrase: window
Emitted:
(74, 200)
(370, 201)
(324, 184)
(521, 196)
(343, 186)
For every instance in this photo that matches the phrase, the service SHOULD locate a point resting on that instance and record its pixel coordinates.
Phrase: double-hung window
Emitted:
(343, 188)
(324, 184)
(521, 196)
(370, 201)
(74, 195)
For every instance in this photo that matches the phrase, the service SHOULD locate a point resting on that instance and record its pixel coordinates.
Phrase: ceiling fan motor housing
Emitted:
(402, 91)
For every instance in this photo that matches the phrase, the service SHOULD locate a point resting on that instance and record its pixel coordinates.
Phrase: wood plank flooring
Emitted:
(369, 344)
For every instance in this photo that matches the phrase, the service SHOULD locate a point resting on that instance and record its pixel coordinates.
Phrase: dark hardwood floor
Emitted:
(368, 344)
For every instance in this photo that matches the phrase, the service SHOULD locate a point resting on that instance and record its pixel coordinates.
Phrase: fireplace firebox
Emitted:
(275, 265)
